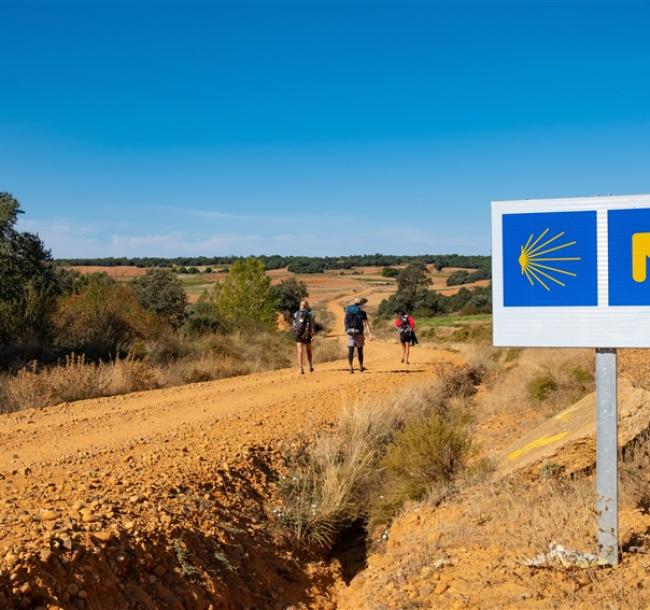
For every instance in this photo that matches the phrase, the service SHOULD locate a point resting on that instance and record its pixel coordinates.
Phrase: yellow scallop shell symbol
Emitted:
(533, 260)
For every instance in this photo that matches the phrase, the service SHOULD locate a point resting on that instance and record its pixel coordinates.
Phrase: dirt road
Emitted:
(155, 478)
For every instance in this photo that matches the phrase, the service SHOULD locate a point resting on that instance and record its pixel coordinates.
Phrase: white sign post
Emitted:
(574, 273)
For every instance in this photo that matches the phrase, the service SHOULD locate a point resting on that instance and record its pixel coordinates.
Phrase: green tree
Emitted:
(412, 282)
(245, 296)
(28, 285)
(162, 293)
(288, 294)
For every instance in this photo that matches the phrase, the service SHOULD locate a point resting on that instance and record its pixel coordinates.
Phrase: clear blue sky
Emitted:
(146, 128)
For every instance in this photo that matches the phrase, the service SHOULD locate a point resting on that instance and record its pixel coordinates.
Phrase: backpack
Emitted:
(353, 320)
(302, 324)
(405, 329)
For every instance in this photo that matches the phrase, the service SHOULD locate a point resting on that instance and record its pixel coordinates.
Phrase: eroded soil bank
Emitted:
(164, 499)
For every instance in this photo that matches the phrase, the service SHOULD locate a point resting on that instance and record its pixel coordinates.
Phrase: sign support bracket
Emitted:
(607, 455)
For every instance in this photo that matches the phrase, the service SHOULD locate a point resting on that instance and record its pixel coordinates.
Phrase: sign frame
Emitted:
(601, 325)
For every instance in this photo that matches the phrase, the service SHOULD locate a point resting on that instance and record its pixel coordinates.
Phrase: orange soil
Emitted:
(159, 499)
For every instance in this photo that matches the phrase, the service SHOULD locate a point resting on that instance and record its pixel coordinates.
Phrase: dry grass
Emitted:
(76, 379)
(163, 364)
(336, 478)
(545, 380)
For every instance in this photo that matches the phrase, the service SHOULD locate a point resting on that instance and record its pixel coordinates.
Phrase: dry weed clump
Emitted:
(76, 379)
(547, 381)
(340, 476)
(164, 363)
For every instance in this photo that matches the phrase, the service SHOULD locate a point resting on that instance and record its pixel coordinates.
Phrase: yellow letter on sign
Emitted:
(640, 254)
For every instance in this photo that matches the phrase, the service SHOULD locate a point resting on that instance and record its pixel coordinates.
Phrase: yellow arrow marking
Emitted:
(539, 442)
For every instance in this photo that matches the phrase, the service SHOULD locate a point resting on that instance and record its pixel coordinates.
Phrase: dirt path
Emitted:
(98, 480)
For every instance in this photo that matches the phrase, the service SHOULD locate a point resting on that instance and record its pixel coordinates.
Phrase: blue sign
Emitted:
(549, 259)
(629, 249)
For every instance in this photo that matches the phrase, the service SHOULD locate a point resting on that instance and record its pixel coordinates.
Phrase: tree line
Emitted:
(295, 264)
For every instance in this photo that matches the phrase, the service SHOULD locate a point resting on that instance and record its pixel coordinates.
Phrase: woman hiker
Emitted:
(405, 326)
(303, 331)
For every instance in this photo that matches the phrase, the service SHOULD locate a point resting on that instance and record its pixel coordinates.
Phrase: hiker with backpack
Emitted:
(356, 321)
(303, 332)
(405, 325)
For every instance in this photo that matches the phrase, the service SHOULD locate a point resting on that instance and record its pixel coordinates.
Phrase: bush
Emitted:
(288, 294)
(161, 293)
(204, 318)
(389, 272)
(338, 478)
(426, 454)
(102, 320)
(541, 386)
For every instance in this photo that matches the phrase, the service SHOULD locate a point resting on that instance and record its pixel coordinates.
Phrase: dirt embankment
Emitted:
(164, 499)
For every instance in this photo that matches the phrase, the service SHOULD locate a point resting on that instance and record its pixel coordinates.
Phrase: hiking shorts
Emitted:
(405, 337)
(303, 340)
(356, 340)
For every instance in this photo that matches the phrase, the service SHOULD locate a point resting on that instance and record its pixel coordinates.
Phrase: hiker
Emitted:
(405, 326)
(356, 321)
(303, 331)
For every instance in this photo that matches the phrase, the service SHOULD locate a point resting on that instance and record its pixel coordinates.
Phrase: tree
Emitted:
(28, 284)
(102, 320)
(411, 282)
(162, 293)
(288, 295)
(245, 296)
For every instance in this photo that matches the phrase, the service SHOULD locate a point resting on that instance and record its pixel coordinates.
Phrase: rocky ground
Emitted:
(164, 499)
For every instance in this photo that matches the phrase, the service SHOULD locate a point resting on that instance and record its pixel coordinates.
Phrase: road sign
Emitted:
(572, 272)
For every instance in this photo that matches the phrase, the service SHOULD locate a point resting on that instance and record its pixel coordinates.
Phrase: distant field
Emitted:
(322, 286)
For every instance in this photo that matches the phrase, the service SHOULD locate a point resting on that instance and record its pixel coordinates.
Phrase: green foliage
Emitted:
(466, 277)
(541, 385)
(204, 317)
(245, 295)
(162, 293)
(411, 282)
(310, 263)
(29, 286)
(426, 454)
(102, 320)
(288, 294)
(192, 270)
(389, 272)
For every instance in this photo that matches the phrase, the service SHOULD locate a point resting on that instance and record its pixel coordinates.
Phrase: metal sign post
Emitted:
(607, 455)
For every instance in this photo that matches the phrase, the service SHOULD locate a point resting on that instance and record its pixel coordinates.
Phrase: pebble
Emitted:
(49, 515)
(103, 536)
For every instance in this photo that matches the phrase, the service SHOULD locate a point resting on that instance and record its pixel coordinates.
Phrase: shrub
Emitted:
(389, 272)
(161, 292)
(336, 479)
(425, 454)
(541, 385)
(288, 294)
(101, 321)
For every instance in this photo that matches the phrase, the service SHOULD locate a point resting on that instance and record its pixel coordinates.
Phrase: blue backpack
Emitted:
(353, 320)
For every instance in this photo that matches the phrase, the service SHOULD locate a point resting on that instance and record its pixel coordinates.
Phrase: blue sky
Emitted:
(325, 128)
